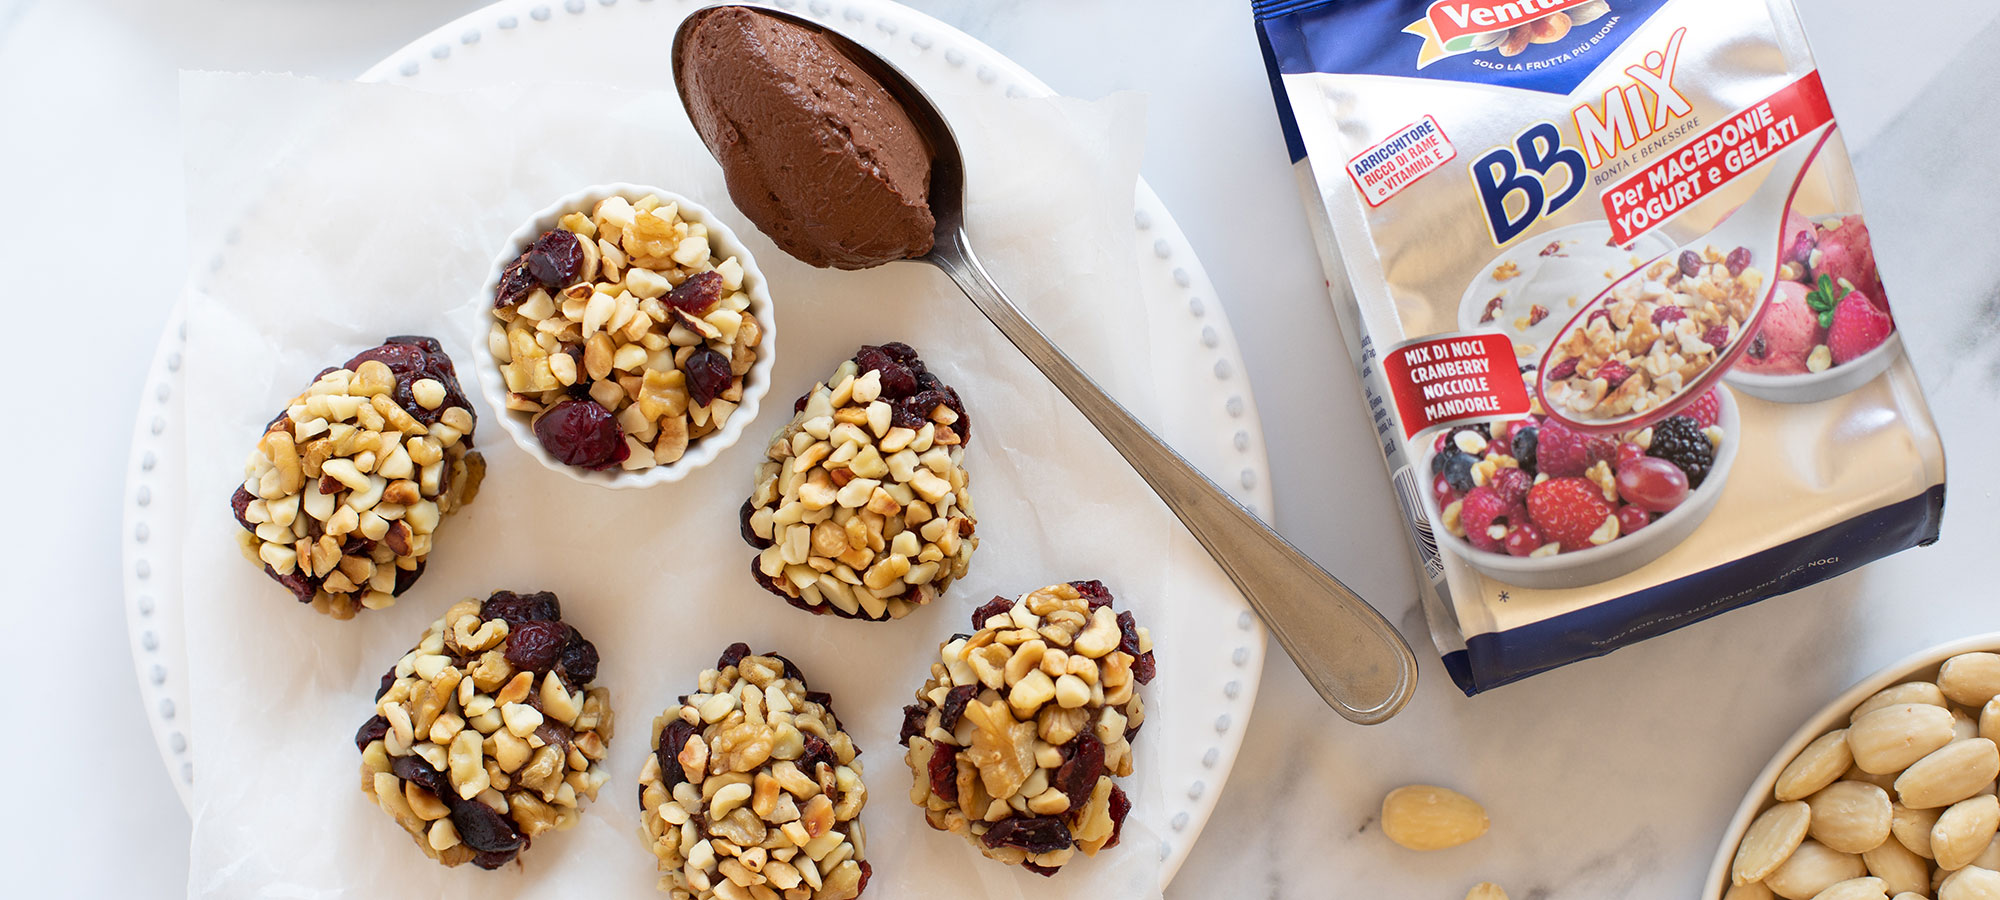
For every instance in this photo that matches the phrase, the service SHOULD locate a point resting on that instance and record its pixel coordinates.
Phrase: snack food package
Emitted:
(1604, 272)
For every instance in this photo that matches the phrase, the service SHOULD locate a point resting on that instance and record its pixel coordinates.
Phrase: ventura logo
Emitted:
(1452, 27)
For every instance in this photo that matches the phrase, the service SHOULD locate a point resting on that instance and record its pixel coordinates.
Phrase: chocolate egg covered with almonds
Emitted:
(349, 483)
(753, 790)
(1017, 737)
(862, 507)
(489, 732)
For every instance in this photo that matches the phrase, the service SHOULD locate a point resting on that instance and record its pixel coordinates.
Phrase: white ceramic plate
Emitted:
(1922, 665)
(1215, 425)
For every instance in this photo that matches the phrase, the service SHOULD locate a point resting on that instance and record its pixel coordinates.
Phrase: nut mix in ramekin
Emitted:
(346, 487)
(862, 507)
(488, 733)
(1654, 336)
(624, 334)
(1014, 740)
(753, 789)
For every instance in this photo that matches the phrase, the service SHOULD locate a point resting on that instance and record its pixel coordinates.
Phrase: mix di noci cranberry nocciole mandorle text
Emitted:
(1603, 269)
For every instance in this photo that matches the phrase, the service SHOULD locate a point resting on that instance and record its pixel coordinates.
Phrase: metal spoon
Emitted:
(1352, 656)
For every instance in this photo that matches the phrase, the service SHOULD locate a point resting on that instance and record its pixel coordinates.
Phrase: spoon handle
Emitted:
(1358, 663)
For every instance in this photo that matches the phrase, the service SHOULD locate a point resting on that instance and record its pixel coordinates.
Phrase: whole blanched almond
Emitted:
(1989, 858)
(1813, 868)
(1486, 890)
(1896, 695)
(1885, 780)
(1753, 891)
(1427, 817)
(1964, 831)
(1989, 720)
(1900, 870)
(1769, 841)
(1891, 738)
(1970, 883)
(1964, 726)
(1855, 889)
(1817, 766)
(1850, 816)
(1949, 774)
(1912, 827)
(1970, 679)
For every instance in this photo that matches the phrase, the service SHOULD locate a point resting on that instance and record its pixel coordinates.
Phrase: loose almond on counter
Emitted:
(1428, 817)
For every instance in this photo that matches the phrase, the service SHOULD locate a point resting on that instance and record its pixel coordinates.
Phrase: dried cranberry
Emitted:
(1044, 871)
(1737, 261)
(1562, 369)
(672, 738)
(954, 705)
(415, 770)
(1536, 314)
(555, 259)
(405, 578)
(1035, 834)
(1595, 314)
(944, 772)
(708, 375)
(697, 295)
(903, 353)
(1801, 248)
(551, 732)
(1552, 249)
(1666, 314)
(897, 379)
(579, 660)
(1078, 777)
(1717, 335)
(535, 646)
(582, 433)
(1614, 372)
(295, 581)
(371, 731)
(1121, 806)
(1690, 264)
(989, 609)
(1093, 591)
(914, 716)
(825, 701)
(1758, 348)
(1143, 670)
(516, 284)
(867, 872)
(239, 503)
(495, 859)
(793, 671)
(816, 752)
(750, 534)
(388, 681)
(1492, 309)
(484, 829)
(732, 655)
(520, 609)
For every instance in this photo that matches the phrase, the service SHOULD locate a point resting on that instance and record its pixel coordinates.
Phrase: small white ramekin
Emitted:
(722, 242)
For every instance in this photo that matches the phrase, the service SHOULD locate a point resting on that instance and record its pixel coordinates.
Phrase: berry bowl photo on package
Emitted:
(1827, 329)
(1537, 504)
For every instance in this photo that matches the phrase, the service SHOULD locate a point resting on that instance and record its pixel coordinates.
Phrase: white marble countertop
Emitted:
(1610, 778)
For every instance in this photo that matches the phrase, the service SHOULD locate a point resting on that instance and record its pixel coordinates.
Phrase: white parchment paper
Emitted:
(336, 214)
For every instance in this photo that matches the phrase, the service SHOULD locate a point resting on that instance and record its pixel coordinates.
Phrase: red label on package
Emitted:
(1715, 157)
(1384, 170)
(1443, 381)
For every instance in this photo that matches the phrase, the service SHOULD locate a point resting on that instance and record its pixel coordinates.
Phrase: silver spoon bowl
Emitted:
(1351, 655)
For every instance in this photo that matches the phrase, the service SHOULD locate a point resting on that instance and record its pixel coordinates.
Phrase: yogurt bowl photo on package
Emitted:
(1530, 290)
(628, 336)
(1534, 503)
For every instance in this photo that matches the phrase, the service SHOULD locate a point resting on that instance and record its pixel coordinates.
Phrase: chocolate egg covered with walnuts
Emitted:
(753, 789)
(346, 487)
(489, 732)
(862, 507)
(1015, 740)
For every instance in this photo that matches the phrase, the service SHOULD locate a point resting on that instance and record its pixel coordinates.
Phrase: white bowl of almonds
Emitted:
(629, 336)
(1887, 792)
